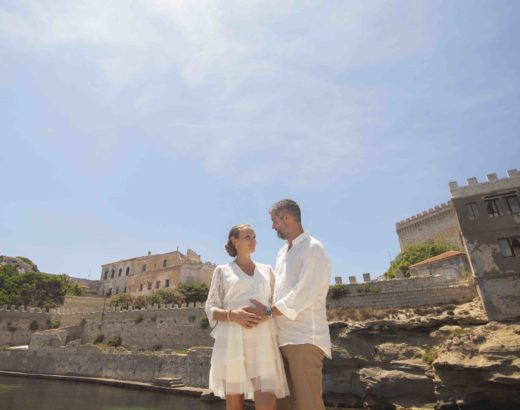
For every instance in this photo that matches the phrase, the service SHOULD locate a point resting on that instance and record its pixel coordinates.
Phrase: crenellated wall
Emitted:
(405, 292)
(438, 223)
(154, 327)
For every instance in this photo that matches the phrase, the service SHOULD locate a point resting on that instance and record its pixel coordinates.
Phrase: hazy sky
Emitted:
(136, 126)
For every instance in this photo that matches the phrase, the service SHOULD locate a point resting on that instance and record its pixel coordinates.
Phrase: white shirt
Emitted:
(302, 277)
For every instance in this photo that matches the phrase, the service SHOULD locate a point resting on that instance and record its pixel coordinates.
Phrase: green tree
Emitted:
(194, 292)
(415, 253)
(32, 288)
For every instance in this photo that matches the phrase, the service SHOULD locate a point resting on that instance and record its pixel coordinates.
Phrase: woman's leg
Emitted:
(235, 402)
(265, 401)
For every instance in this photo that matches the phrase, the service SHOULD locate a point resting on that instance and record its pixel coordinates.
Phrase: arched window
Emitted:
(113, 273)
(106, 275)
(144, 268)
(127, 270)
(120, 272)
(164, 263)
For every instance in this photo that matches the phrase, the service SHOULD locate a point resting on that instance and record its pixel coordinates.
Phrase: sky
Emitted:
(131, 126)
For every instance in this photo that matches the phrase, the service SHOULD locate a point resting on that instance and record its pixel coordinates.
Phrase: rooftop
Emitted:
(441, 257)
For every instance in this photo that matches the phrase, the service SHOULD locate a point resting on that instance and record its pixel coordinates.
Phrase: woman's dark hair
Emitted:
(235, 233)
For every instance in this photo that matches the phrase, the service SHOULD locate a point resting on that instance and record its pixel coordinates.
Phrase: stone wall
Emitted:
(112, 363)
(438, 223)
(15, 326)
(406, 292)
(166, 326)
(152, 329)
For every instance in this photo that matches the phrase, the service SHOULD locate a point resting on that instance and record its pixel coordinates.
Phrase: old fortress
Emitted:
(145, 274)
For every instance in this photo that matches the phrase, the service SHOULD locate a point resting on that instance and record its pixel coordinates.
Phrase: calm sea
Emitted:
(17, 393)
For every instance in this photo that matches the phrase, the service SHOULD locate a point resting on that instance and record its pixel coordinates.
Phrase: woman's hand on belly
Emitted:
(244, 319)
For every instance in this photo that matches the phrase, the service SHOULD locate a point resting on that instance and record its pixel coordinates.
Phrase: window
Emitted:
(127, 270)
(144, 268)
(167, 283)
(117, 290)
(124, 290)
(149, 285)
(493, 207)
(141, 287)
(164, 263)
(106, 275)
(119, 273)
(157, 284)
(513, 204)
(472, 210)
(510, 247)
(113, 273)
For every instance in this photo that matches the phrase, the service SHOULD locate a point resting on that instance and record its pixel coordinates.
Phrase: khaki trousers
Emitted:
(303, 368)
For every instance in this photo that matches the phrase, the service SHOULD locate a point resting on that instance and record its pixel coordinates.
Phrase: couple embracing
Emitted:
(270, 328)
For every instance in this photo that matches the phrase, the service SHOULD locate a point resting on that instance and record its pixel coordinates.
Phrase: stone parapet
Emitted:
(474, 187)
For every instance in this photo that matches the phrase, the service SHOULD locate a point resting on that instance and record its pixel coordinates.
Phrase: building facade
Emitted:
(488, 214)
(438, 223)
(145, 274)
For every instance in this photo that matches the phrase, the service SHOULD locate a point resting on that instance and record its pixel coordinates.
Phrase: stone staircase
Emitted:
(168, 382)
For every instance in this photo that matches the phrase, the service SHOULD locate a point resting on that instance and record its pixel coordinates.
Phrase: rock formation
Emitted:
(449, 356)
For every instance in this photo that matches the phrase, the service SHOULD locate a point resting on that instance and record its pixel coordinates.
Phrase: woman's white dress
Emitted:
(243, 360)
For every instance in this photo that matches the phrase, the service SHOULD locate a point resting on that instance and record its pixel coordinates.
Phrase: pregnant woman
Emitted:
(246, 362)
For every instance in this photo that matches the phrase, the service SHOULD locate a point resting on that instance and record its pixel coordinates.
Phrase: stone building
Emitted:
(145, 274)
(451, 264)
(489, 217)
(438, 223)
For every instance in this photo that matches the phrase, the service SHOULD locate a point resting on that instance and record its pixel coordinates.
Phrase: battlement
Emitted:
(108, 309)
(445, 206)
(474, 187)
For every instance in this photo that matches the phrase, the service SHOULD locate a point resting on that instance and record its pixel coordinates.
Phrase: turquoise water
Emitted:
(18, 393)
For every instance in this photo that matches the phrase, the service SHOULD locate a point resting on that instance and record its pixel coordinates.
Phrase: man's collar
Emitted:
(301, 237)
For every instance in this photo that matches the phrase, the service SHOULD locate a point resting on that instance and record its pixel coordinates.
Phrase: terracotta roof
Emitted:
(442, 256)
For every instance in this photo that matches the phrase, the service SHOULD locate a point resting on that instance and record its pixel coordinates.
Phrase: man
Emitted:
(302, 277)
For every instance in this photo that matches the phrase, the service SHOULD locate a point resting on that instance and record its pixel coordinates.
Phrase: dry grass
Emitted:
(359, 314)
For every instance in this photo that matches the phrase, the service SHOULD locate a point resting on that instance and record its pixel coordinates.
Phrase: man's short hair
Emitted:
(287, 206)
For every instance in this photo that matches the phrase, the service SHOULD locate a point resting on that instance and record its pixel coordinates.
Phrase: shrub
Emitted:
(83, 322)
(429, 355)
(55, 324)
(116, 341)
(11, 327)
(4, 347)
(414, 253)
(203, 322)
(157, 348)
(368, 288)
(337, 291)
(99, 339)
(123, 300)
(138, 319)
(193, 292)
(33, 326)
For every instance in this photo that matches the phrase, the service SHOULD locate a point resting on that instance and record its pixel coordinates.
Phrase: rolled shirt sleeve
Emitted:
(313, 281)
(215, 296)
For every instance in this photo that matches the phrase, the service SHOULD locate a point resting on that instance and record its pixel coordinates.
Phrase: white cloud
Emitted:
(267, 100)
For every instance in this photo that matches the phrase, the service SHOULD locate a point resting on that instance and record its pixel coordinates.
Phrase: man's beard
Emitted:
(281, 235)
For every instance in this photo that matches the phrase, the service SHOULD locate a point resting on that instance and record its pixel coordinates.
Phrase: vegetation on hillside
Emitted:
(36, 289)
(184, 293)
(29, 262)
(416, 253)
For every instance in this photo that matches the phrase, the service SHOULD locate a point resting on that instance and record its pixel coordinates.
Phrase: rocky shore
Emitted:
(448, 357)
